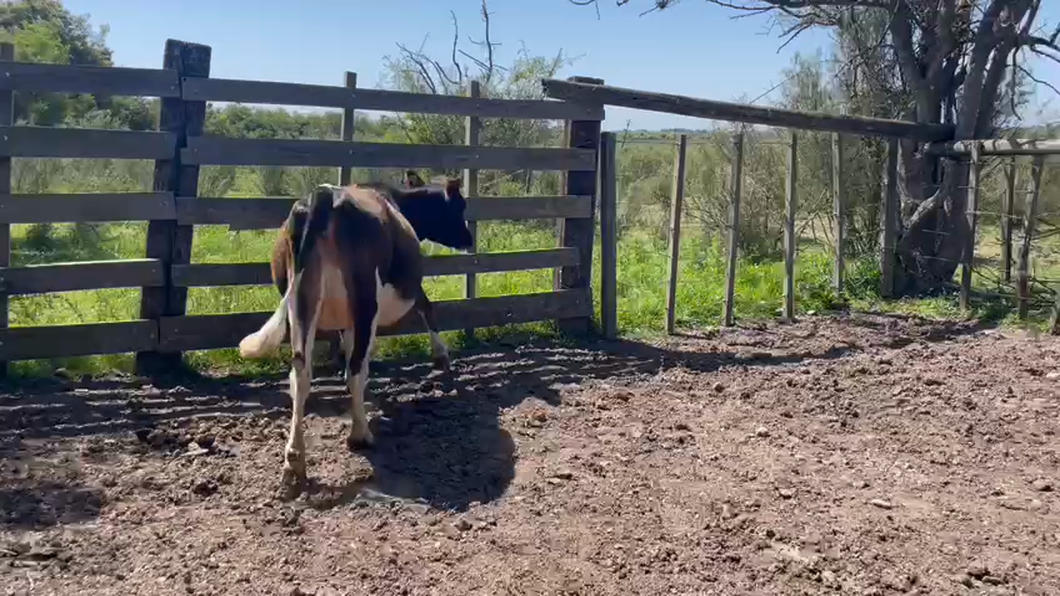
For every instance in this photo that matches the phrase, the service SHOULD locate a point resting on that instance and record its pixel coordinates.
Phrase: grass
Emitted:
(642, 267)
(642, 273)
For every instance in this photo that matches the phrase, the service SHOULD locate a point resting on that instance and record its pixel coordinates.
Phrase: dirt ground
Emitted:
(851, 455)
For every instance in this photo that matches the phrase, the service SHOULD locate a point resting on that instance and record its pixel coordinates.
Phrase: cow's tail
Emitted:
(307, 226)
(264, 341)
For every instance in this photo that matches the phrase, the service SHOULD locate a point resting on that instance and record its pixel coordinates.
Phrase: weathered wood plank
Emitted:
(838, 200)
(889, 215)
(221, 331)
(972, 208)
(587, 93)
(583, 135)
(608, 235)
(7, 117)
(568, 207)
(84, 143)
(1030, 218)
(736, 188)
(269, 213)
(239, 274)
(790, 207)
(61, 341)
(676, 205)
(94, 80)
(86, 275)
(83, 208)
(325, 96)
(213, 150)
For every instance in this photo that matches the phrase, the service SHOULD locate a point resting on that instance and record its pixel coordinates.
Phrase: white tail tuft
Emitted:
(268, 338)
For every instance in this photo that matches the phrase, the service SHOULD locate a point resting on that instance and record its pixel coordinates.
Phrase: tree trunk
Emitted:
(933, 233)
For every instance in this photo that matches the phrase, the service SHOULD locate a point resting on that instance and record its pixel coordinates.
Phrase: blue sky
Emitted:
(720, 58)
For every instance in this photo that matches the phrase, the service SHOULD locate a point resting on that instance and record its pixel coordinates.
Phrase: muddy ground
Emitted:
(854, 455)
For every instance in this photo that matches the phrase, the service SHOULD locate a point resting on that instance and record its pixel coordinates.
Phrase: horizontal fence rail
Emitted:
(268, 213)
(226, 151)
(719, 110)
(61, 341)
(83, 143)
(325, 96)
(240, 274)
(86, 208)
(94, 80)
(201, 332)
(83, 275)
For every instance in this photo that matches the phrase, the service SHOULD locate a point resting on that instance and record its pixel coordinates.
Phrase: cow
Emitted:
(348, 259)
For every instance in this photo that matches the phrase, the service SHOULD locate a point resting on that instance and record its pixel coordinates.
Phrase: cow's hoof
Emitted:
(291, 484)
(359, 440)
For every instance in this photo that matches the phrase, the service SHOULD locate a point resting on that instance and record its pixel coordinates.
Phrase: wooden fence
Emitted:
(179, 148)
(937, 136)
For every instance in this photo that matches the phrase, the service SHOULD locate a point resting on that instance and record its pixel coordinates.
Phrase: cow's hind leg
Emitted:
(303, 313)
(439, 351)
(364, 312)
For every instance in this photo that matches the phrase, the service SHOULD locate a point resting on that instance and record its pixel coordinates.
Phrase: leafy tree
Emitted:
(932, 62)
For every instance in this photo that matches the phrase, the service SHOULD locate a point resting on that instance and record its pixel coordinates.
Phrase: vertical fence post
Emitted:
(838, 195)
(677, 198)
(889, 215)
(167, 241)
(789, 229)
(580, 233)
(346, 172)
(472, 132)
(972, 213)
(335, 351)
(608, 236)
(734, 226)
(1030, 215)
(1008, 210)
(7, 118)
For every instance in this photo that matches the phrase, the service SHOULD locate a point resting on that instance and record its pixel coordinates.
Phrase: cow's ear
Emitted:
(413, 180)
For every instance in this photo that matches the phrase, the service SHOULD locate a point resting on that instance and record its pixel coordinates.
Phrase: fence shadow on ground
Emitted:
(439, 436)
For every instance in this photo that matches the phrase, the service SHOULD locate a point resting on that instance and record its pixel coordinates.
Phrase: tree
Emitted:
(45, 31)
(415, 71)
(926, 61)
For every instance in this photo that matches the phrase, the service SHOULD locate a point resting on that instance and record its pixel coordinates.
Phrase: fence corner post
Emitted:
(579, 233)
(166, 240)
(608, 236)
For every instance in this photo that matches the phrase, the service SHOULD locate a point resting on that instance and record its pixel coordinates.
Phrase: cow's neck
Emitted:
(408, 206)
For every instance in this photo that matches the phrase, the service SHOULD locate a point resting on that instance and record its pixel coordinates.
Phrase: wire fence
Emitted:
(646, 167)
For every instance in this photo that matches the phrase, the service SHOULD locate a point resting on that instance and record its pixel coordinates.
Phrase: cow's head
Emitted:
(436, 211)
